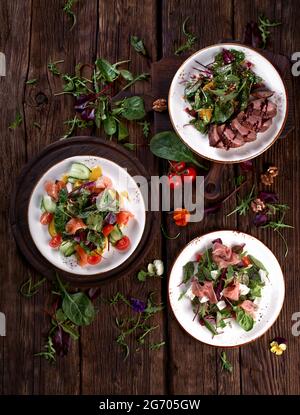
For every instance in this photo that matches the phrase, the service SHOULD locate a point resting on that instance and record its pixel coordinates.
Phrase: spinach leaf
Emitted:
(138, 45)
(188, 271)
(77, 307)
(223, 111)
(133, 108)
(110, 125)
(107, 71)
(244, 319)
(168, 145)
(122, 131)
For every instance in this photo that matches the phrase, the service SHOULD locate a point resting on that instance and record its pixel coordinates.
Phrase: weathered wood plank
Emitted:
(103, 368)
(262, 372)
(195, 367)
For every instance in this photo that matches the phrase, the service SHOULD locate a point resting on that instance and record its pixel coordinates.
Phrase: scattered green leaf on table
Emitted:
(190, 39)
(138, 45)
(17, 121)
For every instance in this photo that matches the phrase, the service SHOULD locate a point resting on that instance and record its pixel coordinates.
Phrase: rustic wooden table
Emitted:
(34, 32)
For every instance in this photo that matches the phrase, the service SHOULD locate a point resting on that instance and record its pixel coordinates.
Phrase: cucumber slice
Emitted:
(71, 180)
(79, 171)
(67, 248)
(115, 235)
(48, 204)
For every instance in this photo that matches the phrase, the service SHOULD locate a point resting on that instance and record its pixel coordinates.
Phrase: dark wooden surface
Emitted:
(34, 32)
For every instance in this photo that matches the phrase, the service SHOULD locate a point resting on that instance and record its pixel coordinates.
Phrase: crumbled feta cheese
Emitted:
(214, 274)
(69, 187)
(244, 290)
(221, 305)
(159, 267)
(204, 299)
(263, 274)
(189, 293)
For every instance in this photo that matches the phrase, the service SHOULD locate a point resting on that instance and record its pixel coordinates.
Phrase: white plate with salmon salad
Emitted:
(86, 215)
(226, 288)
(228, 103)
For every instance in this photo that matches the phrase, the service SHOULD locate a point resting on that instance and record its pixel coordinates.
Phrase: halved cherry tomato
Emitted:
(60, 184)
(107, 229)
(123, 243)
(46, 218)
(51, 190)
(94, 259)
(174, 180)
(198, 257)
(123, 217)
(246, 261)
(82, 256)
(178, 166)
(189, 174)
(55, 241)
(74, 224)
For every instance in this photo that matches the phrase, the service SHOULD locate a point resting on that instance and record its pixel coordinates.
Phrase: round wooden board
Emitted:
(26, 182)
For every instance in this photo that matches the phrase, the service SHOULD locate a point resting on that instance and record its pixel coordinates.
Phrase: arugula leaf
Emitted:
(52, 66)
(167, 145)
(188, 271)
(138, 45)
(31, 81)
(141, 77)
(28, 289)
(146, 127)
(156, 346)
(210, 326)
(190, 39)
(133, 108)
(69, 12)
(226, 365)
(17, 121)
(257, 263)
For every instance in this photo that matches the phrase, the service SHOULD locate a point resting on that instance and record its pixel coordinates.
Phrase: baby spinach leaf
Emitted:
(244, 319)
(223, 111)
(107, 71)
(133, 108)
(168, 145)
(110, 125)
(122, 131)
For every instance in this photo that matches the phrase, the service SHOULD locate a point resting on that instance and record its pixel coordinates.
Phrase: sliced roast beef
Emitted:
(262, 93)
(266, 124)
(271, 110)
(213, 135)
(243, 131)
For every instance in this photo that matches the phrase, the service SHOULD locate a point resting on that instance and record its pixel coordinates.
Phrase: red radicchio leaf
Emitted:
(252, 35)
(220, 286)
(228, 57)
(61, 341)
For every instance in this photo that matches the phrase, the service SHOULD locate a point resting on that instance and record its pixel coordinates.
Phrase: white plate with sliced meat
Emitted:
(226, 288)
(228, 103)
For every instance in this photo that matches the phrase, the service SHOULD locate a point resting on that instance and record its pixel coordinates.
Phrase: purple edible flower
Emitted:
(110, 218)
(88, 114)
(61, 341)
(260, 219)
(137, 305)
(268, 197)
(228, 57)
(280, 340)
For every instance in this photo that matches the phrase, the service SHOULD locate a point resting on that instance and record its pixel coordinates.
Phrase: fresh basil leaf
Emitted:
(244, 319)
(168, 145)
(110, 125)
(106, 70)
(133, 108)
(188, 271)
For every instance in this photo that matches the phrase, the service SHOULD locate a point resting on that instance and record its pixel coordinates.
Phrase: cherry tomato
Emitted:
(94, 259)
(123, 243)
(60, 185)
(55, 241)
(82, 256)
(46, 218)
(189, 174)
(123, 217)
(178, 166)
(198, 257)
(107, 229)
(174, 180)
(246, 261)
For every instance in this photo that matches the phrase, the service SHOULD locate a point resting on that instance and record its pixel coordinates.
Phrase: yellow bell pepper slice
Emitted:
(205, 114)
(51, 228)
(95, 173)
(64, 178)
(210, 85)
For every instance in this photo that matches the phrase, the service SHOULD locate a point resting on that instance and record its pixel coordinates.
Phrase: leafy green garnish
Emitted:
(190, 39)
(157, 346)
(243, 319)
(17, 121)
(188, 271)
(244, 204)
(138, 45)
(49, 353)
(141, 77)
(68, 9)
(31, 81)
(146, 127)
(52, 66)
(226, 365)
(168, 236)
(263, 24)
(132, 108)
(28, 289)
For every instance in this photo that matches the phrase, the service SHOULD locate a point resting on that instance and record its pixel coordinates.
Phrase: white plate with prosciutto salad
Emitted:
(86, 215)
(228, 103)
(226, 288)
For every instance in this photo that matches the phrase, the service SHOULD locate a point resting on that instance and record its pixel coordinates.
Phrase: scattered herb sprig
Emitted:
(146, 127)
(68, 10)
(226, 365)
(31, 81)
(52, 66)
(17, 121)
(168, 236)
(190, 39)
(138, 45)
(28, 289)
(263, 25)
(244, 204)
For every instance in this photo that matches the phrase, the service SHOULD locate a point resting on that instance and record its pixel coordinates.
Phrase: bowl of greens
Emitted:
(226, 288)
(228, 103)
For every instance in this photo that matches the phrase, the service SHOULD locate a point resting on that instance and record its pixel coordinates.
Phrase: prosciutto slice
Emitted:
(249, 307)
(205, 290)
(232, 292)
(223, 256)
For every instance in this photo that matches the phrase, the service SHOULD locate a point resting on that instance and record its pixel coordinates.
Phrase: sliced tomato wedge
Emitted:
(60, 184)
(123, 217)
(123, 243)
(55, 241)
(74, 224)
(82, 256)
(46, 218)
(52, 190)
(246, 261)
(94, 259)
(107, 229)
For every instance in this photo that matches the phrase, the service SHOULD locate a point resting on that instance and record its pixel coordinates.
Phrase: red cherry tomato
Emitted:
(55, 241)
(189, 174)
(123, 243)
(107, 229)
(123, 217)
(46, 218)
(94, 259)
(246, 261)
(174, 180)
(178, 166)
(198, 257)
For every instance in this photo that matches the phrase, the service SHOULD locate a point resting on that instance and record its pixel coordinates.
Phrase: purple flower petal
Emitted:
(280, 340)
(88, 114)
(110, 218)
(268, 197)
(260, 219)
(137, 305)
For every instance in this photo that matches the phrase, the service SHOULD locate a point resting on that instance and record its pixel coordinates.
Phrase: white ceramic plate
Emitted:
(199, 142)
(269, 305)
(122, 181)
